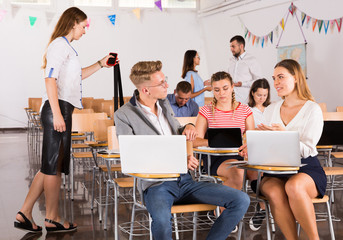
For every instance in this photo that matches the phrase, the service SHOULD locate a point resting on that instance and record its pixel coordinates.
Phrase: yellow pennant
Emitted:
(137, 12)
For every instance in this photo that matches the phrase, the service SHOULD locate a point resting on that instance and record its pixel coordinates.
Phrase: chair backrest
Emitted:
(85, 110)
(184, 120)
(35, 104)
(323, 107)
(84, 122)
(97, 104)
(87, 102)
(107, 106)
(112, 138)
(339, 109)
(333, 116)
(100, 129)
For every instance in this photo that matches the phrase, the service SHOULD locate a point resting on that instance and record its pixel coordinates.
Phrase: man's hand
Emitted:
(238, 84)
(190, 132)
(192, 162)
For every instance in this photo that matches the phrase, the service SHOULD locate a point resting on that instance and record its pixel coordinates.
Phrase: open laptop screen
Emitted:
(332, 133)
(224, 137)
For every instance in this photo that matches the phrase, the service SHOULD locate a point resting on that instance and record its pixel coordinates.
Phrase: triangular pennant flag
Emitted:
(88, 23)
(303, 17)
(266, 39)
(253, 40)
(271, 37)
(277, 31)
(2, 14)
(32, 20)
(332, 25)
(320, 25)
(326, 26)
(246, 33)
(262, 43)
(339, 24)
(137, 12)
(282, 24)
(292, 9)
(15, 9)
(249, 35)
(257, 40)
(112, 18)
(308, 18)
(314, 24)
(49, 16)
(159, 4)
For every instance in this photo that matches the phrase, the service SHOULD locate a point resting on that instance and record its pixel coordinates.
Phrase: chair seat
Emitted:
(333, 170)
(192, 208)
(114, 168)
(79, 145)
(337, 154)
(78, 138)
(126, 182)
(82, 155)
(321, 200)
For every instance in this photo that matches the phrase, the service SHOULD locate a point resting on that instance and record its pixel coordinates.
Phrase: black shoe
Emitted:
(26, 225)
(255, 222)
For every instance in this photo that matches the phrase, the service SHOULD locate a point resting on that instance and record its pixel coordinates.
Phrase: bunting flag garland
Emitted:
(159, 4)
(292, 9)
(282, 24)
(88, 23)
(32, 20)
(314, 23)
(112, 18)
(326, 26)
(339, 24)
(332, 25)
(137, 12)
(308, 19)
(303, 17)
(2, 14)
(320, 25)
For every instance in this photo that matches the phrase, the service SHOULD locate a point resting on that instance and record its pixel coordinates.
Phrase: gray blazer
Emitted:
(131, 120)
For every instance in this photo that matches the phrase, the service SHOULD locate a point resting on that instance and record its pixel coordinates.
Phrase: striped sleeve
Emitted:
(205, 111)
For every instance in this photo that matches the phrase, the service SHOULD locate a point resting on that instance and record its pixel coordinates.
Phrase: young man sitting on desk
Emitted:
(149, 113)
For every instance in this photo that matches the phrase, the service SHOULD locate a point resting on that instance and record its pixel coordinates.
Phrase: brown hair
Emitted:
(184, 87)
(260, 83)
(221, 76)
(141, 71)
(65, 24)
(301, 87)
(188, 62)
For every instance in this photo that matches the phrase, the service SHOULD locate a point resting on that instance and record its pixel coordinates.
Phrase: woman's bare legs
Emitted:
(274, 190)
(300, 190)
(34, 193)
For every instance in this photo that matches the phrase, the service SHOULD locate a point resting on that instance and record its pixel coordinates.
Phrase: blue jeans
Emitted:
(159, 200)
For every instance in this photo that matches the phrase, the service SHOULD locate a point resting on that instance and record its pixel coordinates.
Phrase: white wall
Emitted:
(324, 52)
(157, 35)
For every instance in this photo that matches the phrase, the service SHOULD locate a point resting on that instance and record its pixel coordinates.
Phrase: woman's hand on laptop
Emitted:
(190, 132)
(192, 162)
(273, 127)
(243, 151)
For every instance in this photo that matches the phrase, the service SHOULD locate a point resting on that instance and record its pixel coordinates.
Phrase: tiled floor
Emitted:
(17, 168)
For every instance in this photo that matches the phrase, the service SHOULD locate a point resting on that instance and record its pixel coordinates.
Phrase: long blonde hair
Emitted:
(294, 68)
(65, 24)
(217, 77)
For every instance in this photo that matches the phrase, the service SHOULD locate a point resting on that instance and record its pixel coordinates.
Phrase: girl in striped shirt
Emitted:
(224, 112)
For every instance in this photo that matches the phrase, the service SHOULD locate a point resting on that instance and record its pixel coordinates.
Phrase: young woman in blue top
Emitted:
(63, 75)
(190, 61)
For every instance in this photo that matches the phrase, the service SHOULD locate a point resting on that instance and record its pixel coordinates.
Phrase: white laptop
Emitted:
(153, 153)
(273, 148)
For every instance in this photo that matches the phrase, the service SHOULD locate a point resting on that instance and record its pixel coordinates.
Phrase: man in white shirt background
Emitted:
(243, 68)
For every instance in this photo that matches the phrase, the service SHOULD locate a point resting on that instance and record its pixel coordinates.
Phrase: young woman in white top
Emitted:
(259, 99)
(290, 196)
(63, 75)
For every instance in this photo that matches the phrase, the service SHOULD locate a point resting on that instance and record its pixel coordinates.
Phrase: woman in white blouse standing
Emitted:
(290, 196)
(63, 75)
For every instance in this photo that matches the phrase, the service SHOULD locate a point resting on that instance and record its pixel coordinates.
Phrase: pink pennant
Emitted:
(308, 18)
(159, 4)
(2, 14)
(88, 23)
(332, 25)
(339, 24)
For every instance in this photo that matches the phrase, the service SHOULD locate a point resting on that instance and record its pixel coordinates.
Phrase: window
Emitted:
(31, 1)
(151, 3)
(95, 3)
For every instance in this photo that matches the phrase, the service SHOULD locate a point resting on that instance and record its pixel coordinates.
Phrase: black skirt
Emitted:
(52, 139)
(216, 161)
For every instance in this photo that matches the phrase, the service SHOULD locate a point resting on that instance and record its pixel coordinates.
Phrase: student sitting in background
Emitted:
(259, 99)
(181, 102)
(290, 197)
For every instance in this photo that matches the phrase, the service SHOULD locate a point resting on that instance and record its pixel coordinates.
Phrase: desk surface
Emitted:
(209, 150)
(269, 168)
(149, 175)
